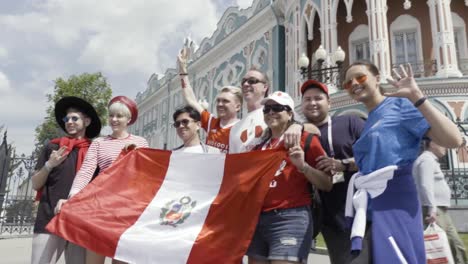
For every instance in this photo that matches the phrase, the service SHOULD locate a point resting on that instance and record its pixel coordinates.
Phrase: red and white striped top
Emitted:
(102, 152)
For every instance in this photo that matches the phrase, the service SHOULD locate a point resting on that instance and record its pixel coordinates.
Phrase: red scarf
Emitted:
(81, 144)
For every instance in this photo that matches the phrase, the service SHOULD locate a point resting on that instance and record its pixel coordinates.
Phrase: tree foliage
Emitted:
(92, 87)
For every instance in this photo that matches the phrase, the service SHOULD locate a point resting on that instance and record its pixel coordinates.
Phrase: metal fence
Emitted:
(455, 168)
(17, 207)
(18, 216)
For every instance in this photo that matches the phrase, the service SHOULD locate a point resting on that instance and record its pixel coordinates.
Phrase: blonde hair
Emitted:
(236, 91)
(120, 108)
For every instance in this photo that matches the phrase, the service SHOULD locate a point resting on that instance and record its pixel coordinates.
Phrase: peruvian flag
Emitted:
(155, 206)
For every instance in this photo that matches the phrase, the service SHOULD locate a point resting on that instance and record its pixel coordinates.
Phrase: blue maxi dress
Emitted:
(392, 136)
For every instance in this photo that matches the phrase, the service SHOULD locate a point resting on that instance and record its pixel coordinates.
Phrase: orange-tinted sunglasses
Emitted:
(359, 79)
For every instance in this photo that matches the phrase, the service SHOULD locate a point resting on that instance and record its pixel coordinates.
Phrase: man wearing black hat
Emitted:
(56, 168)
(338, 135)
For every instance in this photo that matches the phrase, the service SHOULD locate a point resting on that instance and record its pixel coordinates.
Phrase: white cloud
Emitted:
(117, 36)
(3, 52)
(4, 84)
(126, 40)
(244, 3)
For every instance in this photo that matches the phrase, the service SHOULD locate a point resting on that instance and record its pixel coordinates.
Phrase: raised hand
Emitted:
(182, 60)
(405, 84)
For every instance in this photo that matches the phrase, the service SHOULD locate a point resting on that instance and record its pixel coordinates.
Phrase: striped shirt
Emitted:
(102, 152)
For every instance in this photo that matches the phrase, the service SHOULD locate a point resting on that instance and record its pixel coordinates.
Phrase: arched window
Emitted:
(359, 44)
(406, 40)
(459, 29)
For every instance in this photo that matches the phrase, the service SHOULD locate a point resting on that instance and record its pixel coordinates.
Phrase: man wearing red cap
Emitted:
(56, 168)
(338, 134)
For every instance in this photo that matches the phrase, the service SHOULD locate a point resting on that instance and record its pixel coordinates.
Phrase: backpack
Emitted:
(316, 206)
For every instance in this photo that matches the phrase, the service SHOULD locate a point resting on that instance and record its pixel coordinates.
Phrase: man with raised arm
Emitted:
(228, 104)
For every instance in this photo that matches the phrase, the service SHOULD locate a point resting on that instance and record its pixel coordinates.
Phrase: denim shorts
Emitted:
(282, 234)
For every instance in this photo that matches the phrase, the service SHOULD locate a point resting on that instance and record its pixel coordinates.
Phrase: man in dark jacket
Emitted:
(338, 135)
(56, 168)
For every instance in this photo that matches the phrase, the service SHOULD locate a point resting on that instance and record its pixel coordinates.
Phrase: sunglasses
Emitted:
(251, 81)
(72, 118)
(359, 79)
(276, 108)
(183, 122)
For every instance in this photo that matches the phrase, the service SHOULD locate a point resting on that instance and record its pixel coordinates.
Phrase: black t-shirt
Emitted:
(57, 186)
(346, 130)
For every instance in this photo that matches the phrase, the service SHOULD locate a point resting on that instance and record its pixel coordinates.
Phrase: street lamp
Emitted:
(327, 74)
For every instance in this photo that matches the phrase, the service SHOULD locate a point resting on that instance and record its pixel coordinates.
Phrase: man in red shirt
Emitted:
(228, 104)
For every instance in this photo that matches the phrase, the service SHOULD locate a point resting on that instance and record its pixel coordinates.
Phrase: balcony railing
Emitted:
(421, 68)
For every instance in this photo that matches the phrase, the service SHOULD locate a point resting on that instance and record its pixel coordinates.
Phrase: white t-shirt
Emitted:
(198, 149)
(247, 133)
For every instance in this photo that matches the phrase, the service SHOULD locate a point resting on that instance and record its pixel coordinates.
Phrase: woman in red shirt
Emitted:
(284, 229)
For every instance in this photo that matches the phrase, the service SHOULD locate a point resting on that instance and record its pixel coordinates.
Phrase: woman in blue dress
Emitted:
(382, 200)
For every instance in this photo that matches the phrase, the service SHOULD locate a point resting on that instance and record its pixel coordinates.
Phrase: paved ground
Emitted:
(18, 251)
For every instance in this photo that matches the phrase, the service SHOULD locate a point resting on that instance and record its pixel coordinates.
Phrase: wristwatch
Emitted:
(345, 163)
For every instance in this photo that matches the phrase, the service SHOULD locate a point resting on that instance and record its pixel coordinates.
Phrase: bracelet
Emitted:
(47, 167)
(345, 165)
(420, 101)
(183, 74)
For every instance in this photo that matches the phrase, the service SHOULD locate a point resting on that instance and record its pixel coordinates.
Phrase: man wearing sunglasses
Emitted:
(55, 171)
(337, 136)
(187, 125)
(228, 104)
(247, 133)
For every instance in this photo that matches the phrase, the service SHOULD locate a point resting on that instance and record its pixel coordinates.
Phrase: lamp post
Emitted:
(320, 73)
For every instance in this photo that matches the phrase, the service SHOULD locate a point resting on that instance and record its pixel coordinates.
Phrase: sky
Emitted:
(42, 40)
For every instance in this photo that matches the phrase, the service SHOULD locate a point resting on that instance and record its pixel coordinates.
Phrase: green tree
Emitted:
(92, 87)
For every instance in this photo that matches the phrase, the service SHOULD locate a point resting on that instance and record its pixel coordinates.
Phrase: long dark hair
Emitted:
(370, 66)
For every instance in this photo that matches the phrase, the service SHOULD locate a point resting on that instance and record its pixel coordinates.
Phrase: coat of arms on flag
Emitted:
(156, 206)
(175, 212)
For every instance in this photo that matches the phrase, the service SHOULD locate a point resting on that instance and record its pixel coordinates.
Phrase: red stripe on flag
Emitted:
(96, 217)
(233, 215)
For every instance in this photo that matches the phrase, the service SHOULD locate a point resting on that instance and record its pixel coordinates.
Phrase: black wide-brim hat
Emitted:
(81, 105)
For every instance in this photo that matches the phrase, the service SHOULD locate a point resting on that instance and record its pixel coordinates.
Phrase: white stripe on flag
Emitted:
(197, 176)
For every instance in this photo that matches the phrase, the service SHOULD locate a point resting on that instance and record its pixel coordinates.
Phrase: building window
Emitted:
(405, 47)
(361, 50)
(358, 44)
(406, 43)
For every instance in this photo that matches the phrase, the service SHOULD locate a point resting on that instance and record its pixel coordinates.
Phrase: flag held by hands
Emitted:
(155, 206)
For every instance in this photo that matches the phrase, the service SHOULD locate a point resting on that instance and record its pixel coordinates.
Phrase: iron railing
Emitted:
(455, 168)
(18, 216)
(420, 68)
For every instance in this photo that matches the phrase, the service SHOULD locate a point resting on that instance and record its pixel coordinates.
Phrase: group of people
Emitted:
(362, 169)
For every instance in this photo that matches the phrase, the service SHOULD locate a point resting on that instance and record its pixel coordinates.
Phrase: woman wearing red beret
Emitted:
(104, 151)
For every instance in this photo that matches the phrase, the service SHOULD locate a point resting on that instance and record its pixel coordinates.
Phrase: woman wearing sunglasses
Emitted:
(104, 151)
(387, 223)
(283, 233)
(187, 125)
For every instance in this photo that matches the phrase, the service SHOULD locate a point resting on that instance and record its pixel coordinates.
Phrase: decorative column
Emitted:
(443, 38)
(329, 32)
(378, 36)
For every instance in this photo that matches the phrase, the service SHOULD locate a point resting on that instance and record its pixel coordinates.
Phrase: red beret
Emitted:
(131, 105)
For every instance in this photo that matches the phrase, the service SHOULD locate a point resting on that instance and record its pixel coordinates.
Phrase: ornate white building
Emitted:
(273, 34)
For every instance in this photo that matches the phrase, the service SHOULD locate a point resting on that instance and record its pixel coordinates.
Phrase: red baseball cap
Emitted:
(313, 84)
(129, 103)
